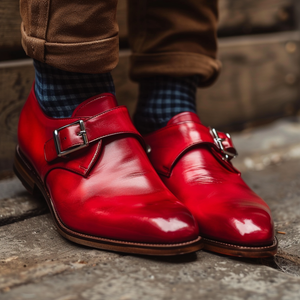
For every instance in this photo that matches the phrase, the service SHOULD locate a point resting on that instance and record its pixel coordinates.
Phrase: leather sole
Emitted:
(32, 182)
(241, 251)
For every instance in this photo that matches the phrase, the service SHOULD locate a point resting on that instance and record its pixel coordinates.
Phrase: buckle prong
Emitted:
(219, 141)
(81, 133)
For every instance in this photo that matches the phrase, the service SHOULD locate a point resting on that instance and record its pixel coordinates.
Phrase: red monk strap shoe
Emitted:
(194, 163)
(98, 182)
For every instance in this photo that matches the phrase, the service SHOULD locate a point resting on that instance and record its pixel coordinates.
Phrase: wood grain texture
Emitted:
(297, 13)
(236, 17)
(10, 21)
(259, 80)
(15, 83)
(255, 16)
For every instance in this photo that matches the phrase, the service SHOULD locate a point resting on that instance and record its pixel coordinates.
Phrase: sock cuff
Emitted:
(163, 97)
(59, 92)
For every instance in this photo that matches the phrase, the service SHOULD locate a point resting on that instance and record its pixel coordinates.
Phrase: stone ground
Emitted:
(37, 263)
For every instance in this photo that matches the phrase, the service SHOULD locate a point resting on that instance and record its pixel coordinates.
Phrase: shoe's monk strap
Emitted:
(174, 140)
(81, 133)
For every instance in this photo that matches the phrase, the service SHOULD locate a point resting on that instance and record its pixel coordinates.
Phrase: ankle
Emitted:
(163, 97)
(60, 92)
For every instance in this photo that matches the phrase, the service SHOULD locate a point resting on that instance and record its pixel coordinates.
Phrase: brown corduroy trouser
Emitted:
(167, 37)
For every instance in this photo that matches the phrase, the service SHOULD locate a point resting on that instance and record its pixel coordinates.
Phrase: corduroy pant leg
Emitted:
(173, 38)
(75, 36)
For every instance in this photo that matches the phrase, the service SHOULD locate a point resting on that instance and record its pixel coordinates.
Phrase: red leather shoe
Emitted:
(194, 163)
(98, 182)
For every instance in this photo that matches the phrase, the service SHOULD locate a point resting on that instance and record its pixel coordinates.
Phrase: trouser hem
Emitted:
(176, 64)
(93, 57)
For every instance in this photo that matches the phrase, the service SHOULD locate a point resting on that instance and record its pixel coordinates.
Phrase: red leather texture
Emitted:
(195, 170)
(109, 188)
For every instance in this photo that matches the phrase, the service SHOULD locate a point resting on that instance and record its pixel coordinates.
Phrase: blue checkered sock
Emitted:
(60, 92)
(163, 97)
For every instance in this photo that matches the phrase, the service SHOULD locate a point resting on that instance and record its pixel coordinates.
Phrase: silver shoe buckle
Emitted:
(82, 133)
(219, 141)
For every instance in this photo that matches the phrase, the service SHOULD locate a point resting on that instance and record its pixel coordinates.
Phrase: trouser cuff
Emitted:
(88, 57)
(175, 65)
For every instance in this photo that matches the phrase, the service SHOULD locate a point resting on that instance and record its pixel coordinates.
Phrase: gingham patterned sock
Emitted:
(60, 92)
(163, 97)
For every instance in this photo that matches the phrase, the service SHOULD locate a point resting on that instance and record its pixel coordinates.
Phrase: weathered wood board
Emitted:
(15, 82)
(260, 79)
(236, 17)
(297, 13)
(10, 21)
(256, 16)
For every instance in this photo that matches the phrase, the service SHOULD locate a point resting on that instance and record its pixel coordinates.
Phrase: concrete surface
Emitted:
(16, 203)
(37, 263)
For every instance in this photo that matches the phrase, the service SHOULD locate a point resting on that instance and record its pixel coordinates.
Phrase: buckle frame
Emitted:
(226, 154)
(82, 133)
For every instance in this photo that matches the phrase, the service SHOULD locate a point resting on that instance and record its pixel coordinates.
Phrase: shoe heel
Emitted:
(23, 173)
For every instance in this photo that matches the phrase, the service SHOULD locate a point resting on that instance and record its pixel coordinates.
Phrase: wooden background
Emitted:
(259, 47)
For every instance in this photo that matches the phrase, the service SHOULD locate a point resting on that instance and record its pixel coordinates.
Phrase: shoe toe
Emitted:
(242, 223)
(172, 223)
(148, 218)
(161, 222)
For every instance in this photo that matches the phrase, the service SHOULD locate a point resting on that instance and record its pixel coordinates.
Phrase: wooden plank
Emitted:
(260, 79)
(10, 21)
(297, 13)
(15, 83)
(255, 16)
(236, 17)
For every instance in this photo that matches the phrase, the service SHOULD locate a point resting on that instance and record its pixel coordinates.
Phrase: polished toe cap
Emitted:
(238, 222)
(148, 218)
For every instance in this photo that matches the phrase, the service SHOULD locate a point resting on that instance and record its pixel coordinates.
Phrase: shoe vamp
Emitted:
(122, 198)
(225, 208)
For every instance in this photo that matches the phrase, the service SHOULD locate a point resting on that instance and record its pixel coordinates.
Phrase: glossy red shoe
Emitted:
(194, 163)
(98, 182)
